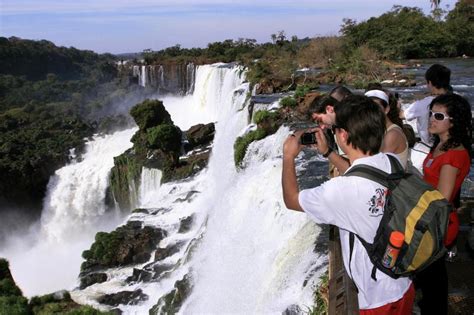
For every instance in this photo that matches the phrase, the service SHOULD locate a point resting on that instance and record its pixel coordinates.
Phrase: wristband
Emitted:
(329, 151)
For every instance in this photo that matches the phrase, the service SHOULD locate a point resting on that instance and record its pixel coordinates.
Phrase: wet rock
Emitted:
(162, 253)
(135, 224)
(272, 85)
(140, 210)
(124, 297)
(91, 279)
(293, 310)
(141, 257)
(188, 197)
(140, 275)
(172, 302)
(199, 135)
(128, 244)
(185, 224)
(160, 270)
(159, 210)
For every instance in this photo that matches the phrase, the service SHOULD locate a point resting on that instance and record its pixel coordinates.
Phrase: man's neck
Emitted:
(354, 155)
(436, 91)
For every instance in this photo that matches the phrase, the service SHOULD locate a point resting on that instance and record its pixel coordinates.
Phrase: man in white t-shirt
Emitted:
(438, 82)
(352, 203)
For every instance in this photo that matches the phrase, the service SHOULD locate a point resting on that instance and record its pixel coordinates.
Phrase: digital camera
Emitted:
(308, 138)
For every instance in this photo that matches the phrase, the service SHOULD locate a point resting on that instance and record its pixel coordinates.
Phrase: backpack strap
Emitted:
(369, 172)
(384, 179)
(351, 249)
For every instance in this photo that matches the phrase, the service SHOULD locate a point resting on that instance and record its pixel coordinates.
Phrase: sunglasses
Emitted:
(439, 115)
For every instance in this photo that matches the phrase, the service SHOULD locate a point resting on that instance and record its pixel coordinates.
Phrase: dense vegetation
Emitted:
(407, 33)
(51, 98)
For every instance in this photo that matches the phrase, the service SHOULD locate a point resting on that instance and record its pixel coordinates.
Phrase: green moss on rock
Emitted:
(150, 113)
(126, 245)
(165, 137)
(172, 302)
(127, 169)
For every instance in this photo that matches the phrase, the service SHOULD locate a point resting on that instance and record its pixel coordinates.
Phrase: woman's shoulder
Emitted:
(395, 133)
(458, 156)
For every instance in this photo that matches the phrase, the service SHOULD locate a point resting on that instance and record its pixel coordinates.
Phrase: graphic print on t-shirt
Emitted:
(377, 202)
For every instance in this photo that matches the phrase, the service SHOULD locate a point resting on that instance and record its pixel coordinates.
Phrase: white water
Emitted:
(252, 255)
(213, 93)
(49, 258)
(149, 184)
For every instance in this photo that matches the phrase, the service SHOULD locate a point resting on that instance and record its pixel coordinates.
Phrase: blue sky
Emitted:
(119, 26)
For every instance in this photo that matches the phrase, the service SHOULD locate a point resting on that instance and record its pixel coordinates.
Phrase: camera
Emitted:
(308, 138)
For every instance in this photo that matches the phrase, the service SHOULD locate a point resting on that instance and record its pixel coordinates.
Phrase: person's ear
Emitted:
(343, 134)
(329, 109)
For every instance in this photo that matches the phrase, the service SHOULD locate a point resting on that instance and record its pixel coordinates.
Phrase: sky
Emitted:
(124, 26)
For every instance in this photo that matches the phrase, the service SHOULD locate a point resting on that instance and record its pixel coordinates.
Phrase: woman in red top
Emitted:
(445, 168)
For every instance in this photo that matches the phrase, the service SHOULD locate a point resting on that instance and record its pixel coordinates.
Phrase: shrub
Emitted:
(165, 137)
(14, 305)
(9, 288)
(265, 115)
(301, 91)
(321, 306)
(320, 52)
(288, 101)
(150, 113)
(242, 143)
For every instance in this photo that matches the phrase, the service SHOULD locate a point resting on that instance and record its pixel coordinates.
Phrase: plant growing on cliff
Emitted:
(301, 90)
(150, 113)
(241, 144)
(288, 101)
(264, 115)
(165, 137)
(321, 297)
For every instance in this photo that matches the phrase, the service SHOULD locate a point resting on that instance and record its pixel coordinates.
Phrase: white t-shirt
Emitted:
(355, 204)
(420, 110)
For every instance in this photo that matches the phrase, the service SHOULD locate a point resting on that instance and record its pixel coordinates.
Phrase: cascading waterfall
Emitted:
(190, 72)
(143, 76)
(74, 210)
(149, 184)
(250, 254)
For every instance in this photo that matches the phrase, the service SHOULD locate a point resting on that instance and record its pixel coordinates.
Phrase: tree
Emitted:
(460, 24)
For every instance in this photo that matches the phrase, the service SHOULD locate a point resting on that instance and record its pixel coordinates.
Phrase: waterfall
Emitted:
(249, 253)
(190, 72)
(142, 79)
(74, 210)
(150, 182)
(161, 77)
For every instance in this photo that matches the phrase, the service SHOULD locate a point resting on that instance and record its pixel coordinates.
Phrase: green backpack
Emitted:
(412, 207)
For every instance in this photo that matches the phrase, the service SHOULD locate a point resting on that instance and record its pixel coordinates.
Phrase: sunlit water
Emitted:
(48, 258)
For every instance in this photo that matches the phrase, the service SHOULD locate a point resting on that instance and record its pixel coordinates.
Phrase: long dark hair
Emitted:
(458, 108)
(394, 112)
